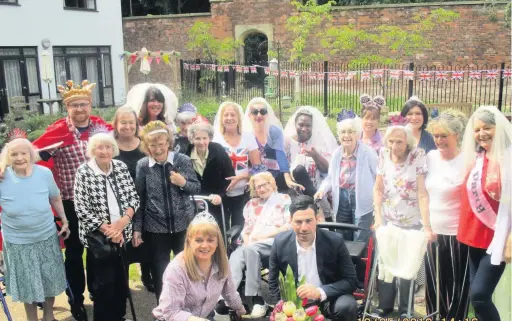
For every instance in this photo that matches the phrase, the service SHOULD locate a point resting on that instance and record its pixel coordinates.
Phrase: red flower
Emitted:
(304, 302)
(319, 318)
(311, 311)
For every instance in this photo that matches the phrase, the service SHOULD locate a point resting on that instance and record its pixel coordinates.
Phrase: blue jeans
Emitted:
(346, 214)
(484, 278)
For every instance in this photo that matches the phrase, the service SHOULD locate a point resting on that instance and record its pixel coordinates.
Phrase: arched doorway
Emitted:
(255, 48)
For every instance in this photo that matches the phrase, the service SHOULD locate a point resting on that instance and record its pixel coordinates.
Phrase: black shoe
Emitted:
(149, 286)
(221, 308)
(406, 316)
(78, 312)
(382, 313)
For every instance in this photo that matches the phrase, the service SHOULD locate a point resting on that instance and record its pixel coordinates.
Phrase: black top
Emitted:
(181, 144)
(130, 158)
(218, 167)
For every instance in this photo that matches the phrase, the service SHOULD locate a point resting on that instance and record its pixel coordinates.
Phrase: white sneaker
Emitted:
(259, 311)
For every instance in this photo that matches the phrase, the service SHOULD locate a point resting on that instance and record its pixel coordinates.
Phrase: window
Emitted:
(80, 4)
(14, 2)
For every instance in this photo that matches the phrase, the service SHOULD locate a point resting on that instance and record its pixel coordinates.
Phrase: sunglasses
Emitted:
(262, 111)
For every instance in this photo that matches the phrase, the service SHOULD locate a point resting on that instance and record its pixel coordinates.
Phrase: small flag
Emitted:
(312, 75)
(158, 57)
(408, 74)
(253, 69)
(507, 73)
(424, 76)
(350, 75)
(246, 69)
(475, 74)
(378, 73)
(457, 75)
(491, 74)
(267, 70)
(292, 74)
(394, 74)
(226, 68)
(365, 75)
(133, 58)
(238, 68)
(441, 75)
(333, 76)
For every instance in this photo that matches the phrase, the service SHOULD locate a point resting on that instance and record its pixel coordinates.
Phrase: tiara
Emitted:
(158, 131)
(304, 111)
(16, 133)
(72, 91)
(96, 128)
(414, 98)
(345, 114)
(203, 217)
(376, 102)
(397, 120)
(187, 107)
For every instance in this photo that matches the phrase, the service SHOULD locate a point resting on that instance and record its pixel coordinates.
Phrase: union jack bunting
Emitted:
(424, 76)
(365, 75)
(441, 75)
(275, 73)
(267, 70)
(312, 75)
(284, 74)
(186, 66)
(342, 75)
(457, 75)
(395, 74)
(253, 69)
(378, 73)
(409, 75)
(491, 74)
(292, 74)
(226, 68)
(238, 68)
(246, 70)
(333, 76)
(320, 76)
(476, 74)
(507, 73)
(220, 68)
(350, 75)
(197, 67)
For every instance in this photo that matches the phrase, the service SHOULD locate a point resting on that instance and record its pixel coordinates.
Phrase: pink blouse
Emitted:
(181, 297)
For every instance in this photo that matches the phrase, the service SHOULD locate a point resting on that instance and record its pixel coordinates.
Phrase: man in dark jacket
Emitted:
(318, 255)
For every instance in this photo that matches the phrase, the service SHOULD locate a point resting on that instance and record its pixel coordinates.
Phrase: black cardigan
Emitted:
(218, 167)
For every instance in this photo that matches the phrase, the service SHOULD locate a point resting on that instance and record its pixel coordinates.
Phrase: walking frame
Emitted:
(204, 201)
(373, 276)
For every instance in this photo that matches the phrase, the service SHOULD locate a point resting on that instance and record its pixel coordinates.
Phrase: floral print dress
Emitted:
(400, 200)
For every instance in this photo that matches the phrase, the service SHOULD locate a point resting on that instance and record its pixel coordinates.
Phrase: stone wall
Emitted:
(471, 39)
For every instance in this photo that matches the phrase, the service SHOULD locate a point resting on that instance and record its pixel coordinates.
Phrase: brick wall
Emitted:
(471, 39)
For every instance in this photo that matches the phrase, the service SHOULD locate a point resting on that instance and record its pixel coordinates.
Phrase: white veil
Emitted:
(135, 99)
(217, 126)
(271, 116)
(500, 155)
(321, 137)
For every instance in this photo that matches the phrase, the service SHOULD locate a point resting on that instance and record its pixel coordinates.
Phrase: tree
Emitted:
(208, 47)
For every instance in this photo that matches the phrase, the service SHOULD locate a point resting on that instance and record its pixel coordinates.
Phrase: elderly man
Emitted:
(309, 144)
(321, 257)
(71, 134)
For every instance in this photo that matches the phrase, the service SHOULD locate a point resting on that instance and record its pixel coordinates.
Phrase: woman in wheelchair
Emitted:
(197, 276)
(266, 215)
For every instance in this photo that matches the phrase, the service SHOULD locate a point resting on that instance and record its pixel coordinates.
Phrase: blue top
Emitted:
(26, 212)
(426, 142)
(272, 154)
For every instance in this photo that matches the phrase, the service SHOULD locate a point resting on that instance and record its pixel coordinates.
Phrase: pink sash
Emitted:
(477, 199)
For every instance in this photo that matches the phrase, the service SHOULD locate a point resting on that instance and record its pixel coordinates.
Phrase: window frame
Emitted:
(13, 3)
(95, 9)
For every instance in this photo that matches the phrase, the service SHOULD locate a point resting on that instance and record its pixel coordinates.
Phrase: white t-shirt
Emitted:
(444, 183)
(239, 156)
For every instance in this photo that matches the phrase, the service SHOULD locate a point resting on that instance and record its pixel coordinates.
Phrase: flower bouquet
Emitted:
(291, 307)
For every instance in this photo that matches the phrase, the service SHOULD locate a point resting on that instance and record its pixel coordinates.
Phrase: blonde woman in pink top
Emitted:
(195, 279)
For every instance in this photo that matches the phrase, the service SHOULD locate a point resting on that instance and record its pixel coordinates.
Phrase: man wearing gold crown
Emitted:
(70, 135)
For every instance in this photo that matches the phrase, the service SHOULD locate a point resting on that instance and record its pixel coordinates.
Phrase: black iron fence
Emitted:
(335, 86)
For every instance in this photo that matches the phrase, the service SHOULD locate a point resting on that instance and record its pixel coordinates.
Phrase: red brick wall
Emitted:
(472, 39)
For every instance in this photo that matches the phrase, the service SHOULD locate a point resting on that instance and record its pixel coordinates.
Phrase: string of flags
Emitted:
(149, 56)
(392, 74)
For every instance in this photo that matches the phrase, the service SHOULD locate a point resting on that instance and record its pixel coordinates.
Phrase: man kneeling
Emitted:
(318, 255)
(266, 215)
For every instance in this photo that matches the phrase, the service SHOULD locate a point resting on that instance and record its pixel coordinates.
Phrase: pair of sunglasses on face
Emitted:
(262, 111)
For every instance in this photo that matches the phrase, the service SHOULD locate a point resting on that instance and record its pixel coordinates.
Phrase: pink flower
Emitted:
(304, 302)
(311, 311)
(279, 306)
(319, 318)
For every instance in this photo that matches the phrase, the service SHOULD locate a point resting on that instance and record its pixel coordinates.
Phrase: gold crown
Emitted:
(72, 91)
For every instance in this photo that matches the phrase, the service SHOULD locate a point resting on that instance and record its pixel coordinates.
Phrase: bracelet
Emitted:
(128, 217)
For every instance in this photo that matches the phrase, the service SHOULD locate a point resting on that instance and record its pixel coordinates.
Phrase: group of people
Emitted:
(434, 191)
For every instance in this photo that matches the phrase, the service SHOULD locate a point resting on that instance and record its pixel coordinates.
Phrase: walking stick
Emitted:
(126, 278)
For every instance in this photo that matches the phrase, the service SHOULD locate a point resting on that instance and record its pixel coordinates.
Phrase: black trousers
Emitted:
(344, 308)
(73, 258)
(453, 278)
(484, 278)
(160, 246)
(387, 294)
(110, 287)
(234, 208)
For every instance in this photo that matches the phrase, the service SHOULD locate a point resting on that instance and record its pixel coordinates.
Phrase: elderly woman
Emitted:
(105, 201)
(185, 117)
(212, 165)
(485, 216)
(243, 152)
(126, 133)
(33, 260)
(261, 120)
(416, 115)
(352, 172)
(401, 199)
(165, 180)
(370, 115)
(444, 185)
(198, 276)
(266, 215)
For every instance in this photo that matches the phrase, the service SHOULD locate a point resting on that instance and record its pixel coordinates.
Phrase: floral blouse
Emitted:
(400, 200)
(276, 214)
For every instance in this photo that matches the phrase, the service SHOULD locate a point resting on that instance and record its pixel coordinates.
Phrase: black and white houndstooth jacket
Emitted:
(91, 197)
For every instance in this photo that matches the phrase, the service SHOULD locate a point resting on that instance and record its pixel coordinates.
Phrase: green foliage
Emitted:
(288, 288)
(399, 41)
(210, 48)
(508, 13)
(305, 26)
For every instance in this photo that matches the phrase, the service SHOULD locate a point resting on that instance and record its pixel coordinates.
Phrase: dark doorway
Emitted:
(255, 53)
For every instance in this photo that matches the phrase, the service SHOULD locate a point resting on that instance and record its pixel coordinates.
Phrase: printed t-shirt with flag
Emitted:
(239, 156)
(296, 154)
